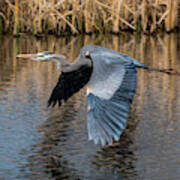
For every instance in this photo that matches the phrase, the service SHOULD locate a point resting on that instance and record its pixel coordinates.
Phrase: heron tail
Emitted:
(169, 71)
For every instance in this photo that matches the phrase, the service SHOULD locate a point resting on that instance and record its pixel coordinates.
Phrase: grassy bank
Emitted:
(62, 17)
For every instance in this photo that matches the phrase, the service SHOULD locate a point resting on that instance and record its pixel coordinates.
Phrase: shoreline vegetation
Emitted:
(64, 17)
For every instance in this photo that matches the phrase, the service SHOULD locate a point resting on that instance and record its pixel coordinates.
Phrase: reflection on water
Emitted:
(41, 143)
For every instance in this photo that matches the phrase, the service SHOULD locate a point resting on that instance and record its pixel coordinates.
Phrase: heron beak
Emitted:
(27, 56)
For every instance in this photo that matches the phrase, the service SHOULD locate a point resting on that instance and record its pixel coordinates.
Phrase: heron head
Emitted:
(42, 56)
(85, 58)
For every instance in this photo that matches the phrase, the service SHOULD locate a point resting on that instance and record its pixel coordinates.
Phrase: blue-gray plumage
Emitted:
(111, 84)
(110, 93)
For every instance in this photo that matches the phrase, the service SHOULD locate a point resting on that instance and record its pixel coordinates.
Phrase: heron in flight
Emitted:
(111, 84)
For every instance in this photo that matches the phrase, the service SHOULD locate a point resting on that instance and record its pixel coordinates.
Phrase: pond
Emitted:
(37, 142)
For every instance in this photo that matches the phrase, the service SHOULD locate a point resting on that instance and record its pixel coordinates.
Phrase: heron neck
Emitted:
(61, 62)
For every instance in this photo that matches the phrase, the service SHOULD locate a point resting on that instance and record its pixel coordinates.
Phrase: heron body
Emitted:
(111, 84)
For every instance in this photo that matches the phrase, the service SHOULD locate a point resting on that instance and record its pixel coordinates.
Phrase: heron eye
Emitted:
(87, 55)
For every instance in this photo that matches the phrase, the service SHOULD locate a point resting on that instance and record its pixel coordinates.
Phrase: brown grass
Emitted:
(87, 16)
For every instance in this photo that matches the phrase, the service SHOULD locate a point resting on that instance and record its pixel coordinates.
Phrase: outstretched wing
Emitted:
(69, 83)
(109, 101)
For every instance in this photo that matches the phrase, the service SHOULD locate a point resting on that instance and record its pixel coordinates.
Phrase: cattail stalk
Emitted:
(171, 19)
(116, 13)
(74, 16)
(87, 17)
(16, 18)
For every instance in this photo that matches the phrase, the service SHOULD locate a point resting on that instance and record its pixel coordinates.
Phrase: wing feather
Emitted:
(68, 84)
(111, 88)
(109, 116)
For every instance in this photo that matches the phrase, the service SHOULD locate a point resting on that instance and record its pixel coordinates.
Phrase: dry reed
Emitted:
(87, 16)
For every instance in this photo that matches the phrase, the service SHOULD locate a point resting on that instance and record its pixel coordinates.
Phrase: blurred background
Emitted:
(62, 17)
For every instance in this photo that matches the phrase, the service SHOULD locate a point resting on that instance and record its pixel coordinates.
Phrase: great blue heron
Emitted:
(111, 79)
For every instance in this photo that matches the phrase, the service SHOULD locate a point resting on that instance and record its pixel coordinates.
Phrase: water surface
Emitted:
(41, 143)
